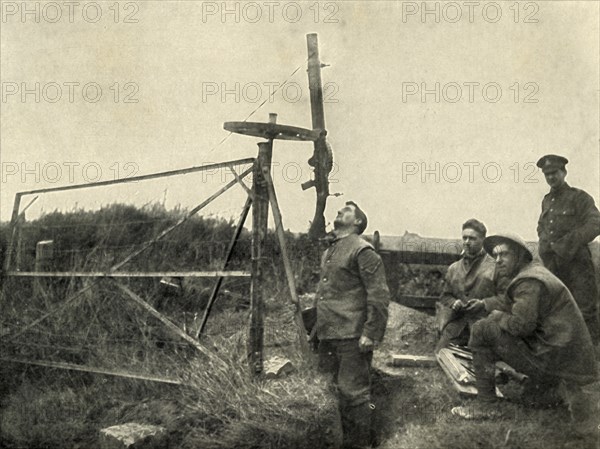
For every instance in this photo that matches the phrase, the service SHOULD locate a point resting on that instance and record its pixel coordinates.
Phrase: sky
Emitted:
(436, 111)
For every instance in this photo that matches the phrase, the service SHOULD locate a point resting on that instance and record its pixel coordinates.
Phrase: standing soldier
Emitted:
(568, 222)
(352, 309)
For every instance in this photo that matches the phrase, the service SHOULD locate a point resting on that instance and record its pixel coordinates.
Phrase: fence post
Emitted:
(44, 260)
(260, 216)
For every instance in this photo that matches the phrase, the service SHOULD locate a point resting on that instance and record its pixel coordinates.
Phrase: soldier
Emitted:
(542, 335)
(471, 288)
(352, 309)
(568, 222)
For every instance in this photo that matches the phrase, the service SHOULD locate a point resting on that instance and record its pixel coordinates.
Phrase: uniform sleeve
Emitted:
(521, 321)
(447, 297)
(372, 275)
(499, 301)
(541, 232)
(587, 230)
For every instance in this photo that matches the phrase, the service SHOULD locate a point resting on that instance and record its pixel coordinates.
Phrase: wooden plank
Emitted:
(413, 360)
(241, 182)
(412, 248)
(462, 380)
(416, 302)
(131, 274)
(90, 369)
(182, 171)
(453, 368)
(463, 389)
(168, 323)
(414, 243)
(392, 258)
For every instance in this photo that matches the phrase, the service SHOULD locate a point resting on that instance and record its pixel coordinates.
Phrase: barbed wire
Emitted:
(224, 139)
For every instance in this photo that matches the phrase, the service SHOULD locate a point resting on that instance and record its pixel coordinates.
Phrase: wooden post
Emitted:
(14, 223)
(260, 217)
(44, 256)
(314, 82)
(321, 159)
(277, 218)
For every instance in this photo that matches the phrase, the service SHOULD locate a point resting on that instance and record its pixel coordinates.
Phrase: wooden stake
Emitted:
(287, 265)
(260, 217)
(91, 369)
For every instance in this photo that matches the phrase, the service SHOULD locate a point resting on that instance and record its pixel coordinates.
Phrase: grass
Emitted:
(414, 405)
(220, 406)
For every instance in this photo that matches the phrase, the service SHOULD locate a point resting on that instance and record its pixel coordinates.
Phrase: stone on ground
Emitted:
(133, 436)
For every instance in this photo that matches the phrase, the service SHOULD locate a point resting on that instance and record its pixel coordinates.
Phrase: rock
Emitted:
(276, 366)
(133, 436)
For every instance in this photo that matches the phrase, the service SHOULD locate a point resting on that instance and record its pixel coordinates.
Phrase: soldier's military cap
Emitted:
(552, 162)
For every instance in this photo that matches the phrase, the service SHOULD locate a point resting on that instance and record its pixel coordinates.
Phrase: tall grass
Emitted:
(221, 405)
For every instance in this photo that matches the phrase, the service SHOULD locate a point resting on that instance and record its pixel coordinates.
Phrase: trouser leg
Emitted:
(490, 343)
(482, 343)
(579, 275)
(456, 331)
(581, 281)
(351, 374)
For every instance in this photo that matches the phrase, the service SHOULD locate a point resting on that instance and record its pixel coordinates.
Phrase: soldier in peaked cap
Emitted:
(568, 222)
(542, 335)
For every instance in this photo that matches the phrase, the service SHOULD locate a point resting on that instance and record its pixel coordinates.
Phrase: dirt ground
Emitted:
(413, 405)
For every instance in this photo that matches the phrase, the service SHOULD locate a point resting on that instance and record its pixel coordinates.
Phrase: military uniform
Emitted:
(568, 222)
(467, 278)
(352, 301)
(543, 336)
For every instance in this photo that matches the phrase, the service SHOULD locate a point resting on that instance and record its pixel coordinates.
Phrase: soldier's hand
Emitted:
(475, 306)
(365, 344)
(457, 305)
(496, 315)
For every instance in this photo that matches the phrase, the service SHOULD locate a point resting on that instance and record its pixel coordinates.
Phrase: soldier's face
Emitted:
(345, 218)
(506, 260)
(472, 241)
(555, 178)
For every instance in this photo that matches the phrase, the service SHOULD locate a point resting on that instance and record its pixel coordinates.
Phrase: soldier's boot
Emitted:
(486, 405)
(542, 395)
(485, 375)
(356, 426)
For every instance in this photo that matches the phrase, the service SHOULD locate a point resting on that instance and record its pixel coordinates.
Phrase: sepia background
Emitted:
(436, 111)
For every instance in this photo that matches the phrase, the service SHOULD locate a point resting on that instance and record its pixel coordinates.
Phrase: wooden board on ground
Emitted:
(412, 360)
(462, 379)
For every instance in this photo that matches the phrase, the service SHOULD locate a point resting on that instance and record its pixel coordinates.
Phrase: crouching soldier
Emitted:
(543, 335)
(472, 288)
(352, 309)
